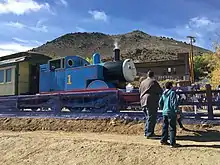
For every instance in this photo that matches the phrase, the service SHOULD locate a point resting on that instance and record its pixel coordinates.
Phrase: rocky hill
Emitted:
(136, 45)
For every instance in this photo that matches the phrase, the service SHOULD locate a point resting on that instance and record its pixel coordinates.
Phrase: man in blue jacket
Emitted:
(169, 104)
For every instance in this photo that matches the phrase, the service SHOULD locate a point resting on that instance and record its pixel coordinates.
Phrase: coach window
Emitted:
(8, 75)
(174, 70)
(169, 70)
(164, 72)
(2, 76)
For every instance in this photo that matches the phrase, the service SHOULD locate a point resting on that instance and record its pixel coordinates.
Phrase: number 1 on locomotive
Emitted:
(69, 79)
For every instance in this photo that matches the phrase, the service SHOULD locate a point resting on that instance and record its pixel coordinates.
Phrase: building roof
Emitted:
(27, 54)
(23, 56)
(13, 60)
(179, 57)
(160, 63)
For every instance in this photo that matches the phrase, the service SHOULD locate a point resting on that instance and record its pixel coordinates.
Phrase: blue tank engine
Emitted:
(71, 84)
(73, 73)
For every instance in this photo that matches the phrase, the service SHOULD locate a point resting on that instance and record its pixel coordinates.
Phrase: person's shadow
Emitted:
(198, 136)
(201, 136)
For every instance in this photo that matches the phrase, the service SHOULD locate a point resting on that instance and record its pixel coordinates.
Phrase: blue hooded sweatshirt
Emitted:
(169, 103)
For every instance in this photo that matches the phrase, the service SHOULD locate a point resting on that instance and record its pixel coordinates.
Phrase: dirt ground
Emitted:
(95, 142)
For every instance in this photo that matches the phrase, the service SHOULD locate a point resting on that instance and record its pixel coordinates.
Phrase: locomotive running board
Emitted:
(98, 101)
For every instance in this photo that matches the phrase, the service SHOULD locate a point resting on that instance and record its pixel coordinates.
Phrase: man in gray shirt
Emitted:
(150, 92)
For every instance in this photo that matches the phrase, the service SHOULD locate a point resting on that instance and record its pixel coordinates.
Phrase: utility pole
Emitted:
(191, 63)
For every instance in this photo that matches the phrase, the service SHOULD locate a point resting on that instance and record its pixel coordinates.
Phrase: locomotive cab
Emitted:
(67, 62)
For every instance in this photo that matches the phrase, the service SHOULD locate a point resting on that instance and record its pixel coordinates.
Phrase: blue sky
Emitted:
(29, 23)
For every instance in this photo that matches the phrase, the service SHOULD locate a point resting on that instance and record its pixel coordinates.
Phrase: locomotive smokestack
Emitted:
(116, 52)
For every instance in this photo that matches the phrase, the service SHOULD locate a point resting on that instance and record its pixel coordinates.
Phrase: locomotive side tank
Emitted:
(75, 73)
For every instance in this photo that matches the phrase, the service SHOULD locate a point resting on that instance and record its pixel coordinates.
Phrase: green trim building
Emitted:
(19, 73)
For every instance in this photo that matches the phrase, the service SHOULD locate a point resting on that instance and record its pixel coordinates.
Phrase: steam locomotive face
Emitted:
(129, 70)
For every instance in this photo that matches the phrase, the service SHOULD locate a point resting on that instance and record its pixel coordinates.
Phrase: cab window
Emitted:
(55, 64)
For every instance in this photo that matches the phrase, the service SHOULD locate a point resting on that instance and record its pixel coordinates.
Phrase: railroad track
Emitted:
(189, 118)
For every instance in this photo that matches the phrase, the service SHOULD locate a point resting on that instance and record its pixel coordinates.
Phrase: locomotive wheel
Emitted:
(79, 109)
(34, 109)
(101, 106)
(100, 110)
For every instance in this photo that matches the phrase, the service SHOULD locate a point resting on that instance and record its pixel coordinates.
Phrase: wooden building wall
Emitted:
(179, 68)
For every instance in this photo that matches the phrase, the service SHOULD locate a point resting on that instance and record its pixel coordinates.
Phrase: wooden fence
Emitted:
(205, 98)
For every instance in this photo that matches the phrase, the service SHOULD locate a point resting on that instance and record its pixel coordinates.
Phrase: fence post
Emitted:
(209, 101)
